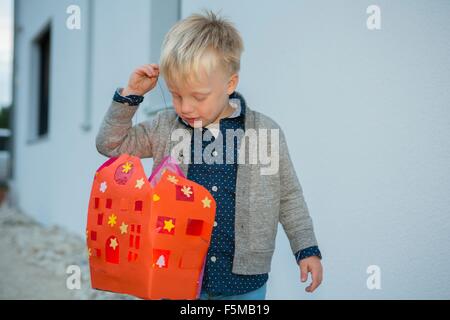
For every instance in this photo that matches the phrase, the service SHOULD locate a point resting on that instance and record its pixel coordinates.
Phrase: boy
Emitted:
(200, 61)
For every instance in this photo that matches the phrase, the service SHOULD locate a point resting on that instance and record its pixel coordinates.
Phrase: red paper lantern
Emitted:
(148, 238)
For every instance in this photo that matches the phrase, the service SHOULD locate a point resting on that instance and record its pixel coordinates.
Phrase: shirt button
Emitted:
(213, 259)
(214, 188)
(215, 223)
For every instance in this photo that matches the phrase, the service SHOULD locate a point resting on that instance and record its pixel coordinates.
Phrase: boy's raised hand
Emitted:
(314, 266)
(142, 80)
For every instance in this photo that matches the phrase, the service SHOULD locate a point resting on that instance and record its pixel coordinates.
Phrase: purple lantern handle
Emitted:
(168, 163)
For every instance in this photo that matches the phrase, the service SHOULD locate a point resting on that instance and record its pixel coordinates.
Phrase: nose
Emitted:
(186, 108)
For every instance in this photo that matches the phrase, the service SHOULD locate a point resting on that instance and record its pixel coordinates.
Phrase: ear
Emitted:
(232, 83)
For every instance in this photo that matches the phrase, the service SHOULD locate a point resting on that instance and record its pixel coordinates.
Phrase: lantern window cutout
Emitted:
(96, 203)
(194, 227)
(135, 238)
(131, 245)
(165, 225)
(112, 250)
(184, 193)
(93, 235)
(138, 205)
(100, 219)
(98, 253)
(108, 203)
(132, 256)
(137, 242)
(160, 259)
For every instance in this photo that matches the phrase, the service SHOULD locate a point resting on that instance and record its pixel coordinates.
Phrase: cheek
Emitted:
(206, 109)
(214, 107)
(178, 103)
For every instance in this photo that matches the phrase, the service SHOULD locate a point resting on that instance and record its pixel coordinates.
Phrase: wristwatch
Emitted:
(131, 100)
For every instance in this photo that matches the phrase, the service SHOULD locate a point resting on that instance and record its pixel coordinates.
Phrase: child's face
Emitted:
(204, 101)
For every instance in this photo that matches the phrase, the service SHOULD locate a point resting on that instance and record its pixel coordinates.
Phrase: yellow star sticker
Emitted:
(139, 183)
(113, 244)
(112, 220)
(127, 167)
(87, 233)
(90, 252)
(172, 179)
(168, 225)
(123, 228)
(206, 203)
(156, 197)
(187, 191)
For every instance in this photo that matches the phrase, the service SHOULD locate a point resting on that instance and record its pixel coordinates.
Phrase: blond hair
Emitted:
(200, 40)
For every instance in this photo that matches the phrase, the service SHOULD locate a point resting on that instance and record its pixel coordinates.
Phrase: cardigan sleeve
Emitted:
(294, 213)
(117, 135)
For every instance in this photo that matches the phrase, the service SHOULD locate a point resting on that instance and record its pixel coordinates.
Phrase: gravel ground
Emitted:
(35, 260)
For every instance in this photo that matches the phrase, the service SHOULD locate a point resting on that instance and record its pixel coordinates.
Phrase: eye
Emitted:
(200, 98)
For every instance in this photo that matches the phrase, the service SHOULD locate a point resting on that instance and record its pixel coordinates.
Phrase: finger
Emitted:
(143, 71)
(149, 71)
(152, 72)
(303, 272)
(155, 66)
(315, 282)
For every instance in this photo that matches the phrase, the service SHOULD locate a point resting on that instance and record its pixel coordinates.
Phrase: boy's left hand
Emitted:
(313, 265)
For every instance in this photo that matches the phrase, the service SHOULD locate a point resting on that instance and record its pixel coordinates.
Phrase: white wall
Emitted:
(367, 118)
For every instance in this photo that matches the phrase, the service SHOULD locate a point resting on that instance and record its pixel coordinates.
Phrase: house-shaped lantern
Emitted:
(148, 237)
